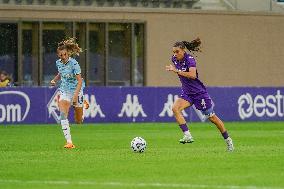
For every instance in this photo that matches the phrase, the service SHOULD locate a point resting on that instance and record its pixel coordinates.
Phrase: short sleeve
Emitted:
(191, 61)
(76, 68)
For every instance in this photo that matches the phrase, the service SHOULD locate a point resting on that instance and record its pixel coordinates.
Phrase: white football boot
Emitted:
(230, 146)
(186, 139)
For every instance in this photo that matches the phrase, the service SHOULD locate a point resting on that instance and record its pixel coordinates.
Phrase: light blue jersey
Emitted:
(68, 74)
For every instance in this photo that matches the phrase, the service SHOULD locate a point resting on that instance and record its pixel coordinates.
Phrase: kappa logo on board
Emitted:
(167, 110)
(132, 107)
(95, 109)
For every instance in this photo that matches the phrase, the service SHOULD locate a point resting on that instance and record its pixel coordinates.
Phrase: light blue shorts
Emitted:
(69, 97)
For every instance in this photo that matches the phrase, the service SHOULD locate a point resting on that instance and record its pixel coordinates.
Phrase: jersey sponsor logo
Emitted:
(94, 109)
(271, 105)
(132, 107)
(16, 112)
(182, 69)
(68, 76)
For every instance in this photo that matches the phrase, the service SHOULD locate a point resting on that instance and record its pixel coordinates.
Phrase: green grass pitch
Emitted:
(33, 157)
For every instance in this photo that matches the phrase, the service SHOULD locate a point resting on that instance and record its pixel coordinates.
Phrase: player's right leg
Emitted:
(64, 105)
(179, 105)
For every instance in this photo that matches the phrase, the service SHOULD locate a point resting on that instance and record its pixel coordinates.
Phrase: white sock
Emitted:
(187, 133)
(66, 130)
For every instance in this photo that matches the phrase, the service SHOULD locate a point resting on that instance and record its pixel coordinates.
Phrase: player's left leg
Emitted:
(220, 125)
(206, 106)
(210, 114)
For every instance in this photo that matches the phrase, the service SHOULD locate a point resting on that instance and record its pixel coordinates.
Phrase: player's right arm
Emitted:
(55, 79)
(191, 73)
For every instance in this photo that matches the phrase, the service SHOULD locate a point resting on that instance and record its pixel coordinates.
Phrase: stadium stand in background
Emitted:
(109, 3)
(242, 5)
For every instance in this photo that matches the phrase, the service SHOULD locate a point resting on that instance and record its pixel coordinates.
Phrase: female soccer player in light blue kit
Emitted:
(71, 87)
(193, 91)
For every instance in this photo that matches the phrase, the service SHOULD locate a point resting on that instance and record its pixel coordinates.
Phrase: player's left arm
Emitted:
(78, 88)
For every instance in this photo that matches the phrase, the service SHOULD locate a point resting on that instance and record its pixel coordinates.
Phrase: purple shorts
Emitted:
(202, 102)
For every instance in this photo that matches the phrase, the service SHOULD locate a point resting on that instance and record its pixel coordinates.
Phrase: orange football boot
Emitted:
(69, 145)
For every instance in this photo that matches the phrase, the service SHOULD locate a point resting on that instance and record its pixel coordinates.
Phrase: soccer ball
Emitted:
(138, 144)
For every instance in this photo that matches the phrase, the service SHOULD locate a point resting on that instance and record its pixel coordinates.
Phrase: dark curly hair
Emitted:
(194, 45)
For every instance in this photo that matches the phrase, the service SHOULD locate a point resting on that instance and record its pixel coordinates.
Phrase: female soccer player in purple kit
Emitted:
(193, 91)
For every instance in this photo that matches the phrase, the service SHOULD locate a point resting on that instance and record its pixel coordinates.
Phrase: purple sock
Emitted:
(183, 127)
(225, 135)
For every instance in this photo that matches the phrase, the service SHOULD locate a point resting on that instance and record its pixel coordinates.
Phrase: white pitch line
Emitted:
(142, 185)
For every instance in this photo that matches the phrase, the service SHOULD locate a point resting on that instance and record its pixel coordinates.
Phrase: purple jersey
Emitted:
(191, 87)
(193, 90)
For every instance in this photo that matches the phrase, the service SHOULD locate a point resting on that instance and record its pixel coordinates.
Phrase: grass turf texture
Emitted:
(34, 157)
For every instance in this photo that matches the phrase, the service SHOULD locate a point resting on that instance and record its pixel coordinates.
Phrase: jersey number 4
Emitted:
(203, 103)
